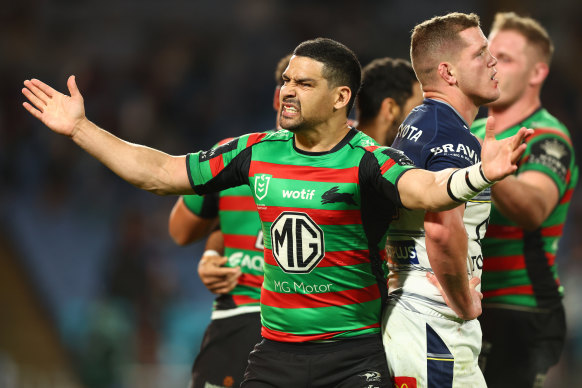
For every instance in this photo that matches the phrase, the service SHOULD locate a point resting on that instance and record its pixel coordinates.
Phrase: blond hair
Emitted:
(531, 29)
(439, 36)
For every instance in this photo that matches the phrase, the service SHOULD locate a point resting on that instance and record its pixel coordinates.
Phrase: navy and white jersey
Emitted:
(434, 136)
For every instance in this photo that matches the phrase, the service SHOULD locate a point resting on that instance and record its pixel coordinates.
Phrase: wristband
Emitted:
(465, 183)
(210, 252)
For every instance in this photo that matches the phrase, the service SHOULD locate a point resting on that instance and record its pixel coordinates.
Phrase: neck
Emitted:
(507, 116)
(375, 130)
(461, 103)
(321, 138)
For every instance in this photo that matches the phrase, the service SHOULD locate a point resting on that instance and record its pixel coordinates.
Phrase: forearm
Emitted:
(143, 167)
(441, 190)
(446, 245)
(185, 227)
(525, 204)
(215, 242)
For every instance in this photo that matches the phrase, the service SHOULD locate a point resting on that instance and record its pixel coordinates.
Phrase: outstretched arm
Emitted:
(144, 167)
(445, 189)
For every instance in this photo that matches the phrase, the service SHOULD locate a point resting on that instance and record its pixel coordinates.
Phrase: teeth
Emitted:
(290, 109)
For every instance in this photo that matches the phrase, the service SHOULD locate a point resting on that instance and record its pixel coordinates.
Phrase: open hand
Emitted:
(59, 112)
(499, 157)
(217, 278)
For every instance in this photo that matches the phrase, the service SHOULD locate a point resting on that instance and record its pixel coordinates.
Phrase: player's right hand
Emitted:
(59, 112)
(217, 278)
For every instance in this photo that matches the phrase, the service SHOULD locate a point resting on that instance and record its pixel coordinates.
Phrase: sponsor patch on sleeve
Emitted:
(553, 154)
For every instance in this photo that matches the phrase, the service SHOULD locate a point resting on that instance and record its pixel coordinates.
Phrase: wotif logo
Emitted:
(262, 185)
(296, 194)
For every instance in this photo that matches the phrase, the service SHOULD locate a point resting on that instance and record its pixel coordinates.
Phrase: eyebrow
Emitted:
(300, 80)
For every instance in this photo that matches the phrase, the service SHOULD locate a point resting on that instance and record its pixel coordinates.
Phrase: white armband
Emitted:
(465, 183)
(210, 252)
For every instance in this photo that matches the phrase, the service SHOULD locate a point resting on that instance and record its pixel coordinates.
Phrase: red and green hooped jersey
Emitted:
(519, 266)
(243, 244)
(324, 218)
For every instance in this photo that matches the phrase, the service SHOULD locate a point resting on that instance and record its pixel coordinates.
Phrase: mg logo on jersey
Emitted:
(262, 185)
(297, 242)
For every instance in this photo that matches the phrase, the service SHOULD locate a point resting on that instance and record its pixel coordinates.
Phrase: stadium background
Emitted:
(93, 293)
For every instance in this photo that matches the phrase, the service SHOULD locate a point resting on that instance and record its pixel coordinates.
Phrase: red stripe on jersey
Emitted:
(504, 263)
(237, 203)
(387, 165)
(243, 299)
(216, 165)
(247, 279)
(323, 299)
(320, 217)
(517, 290)
(305, 173)
(331, 259)
(508, 232)
(544, 131)
(551, 258)
(553, 231)
(255, 138)
(276, 335)
(567, 196)
(371, 148)
(237, 241)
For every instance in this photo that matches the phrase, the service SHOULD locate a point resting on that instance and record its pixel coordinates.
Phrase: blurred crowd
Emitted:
(179, 75)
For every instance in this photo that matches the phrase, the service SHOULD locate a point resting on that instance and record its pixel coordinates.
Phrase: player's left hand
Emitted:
(499, 157)
(469, 312)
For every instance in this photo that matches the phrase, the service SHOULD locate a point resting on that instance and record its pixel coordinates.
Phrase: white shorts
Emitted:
(425, 349)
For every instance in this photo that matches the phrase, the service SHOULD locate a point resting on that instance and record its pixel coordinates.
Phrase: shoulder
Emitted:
(363, 141)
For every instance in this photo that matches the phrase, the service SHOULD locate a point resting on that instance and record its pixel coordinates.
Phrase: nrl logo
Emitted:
(554, 149)
(262, 185)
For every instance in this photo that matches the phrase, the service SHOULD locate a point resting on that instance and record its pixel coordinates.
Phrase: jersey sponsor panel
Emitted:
(324, 273)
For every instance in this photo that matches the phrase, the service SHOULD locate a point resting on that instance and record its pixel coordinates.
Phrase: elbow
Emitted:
(179, 237)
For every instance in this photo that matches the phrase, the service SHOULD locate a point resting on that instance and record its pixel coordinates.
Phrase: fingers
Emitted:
(35, 95)
(474, 282)
(72, 85)
(490, 128)
(44, 87)
(35, 112)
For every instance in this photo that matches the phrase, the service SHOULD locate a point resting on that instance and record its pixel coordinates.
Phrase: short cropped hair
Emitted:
(280, 69)
(531, 29)
(341, 66)
(435, 37)
(382, 78)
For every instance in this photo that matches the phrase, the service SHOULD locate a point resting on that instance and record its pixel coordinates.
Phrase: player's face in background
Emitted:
(475, 68)
(515, 65)
(306, 99)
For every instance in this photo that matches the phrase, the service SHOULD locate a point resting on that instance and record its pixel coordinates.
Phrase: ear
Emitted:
(389, 110)
(342, 97)
(539, 73)
(276, 101)
(445, 71)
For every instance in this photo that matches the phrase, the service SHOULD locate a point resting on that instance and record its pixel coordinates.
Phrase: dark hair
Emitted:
(281, 66)
(340, 64)
(382, 78)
